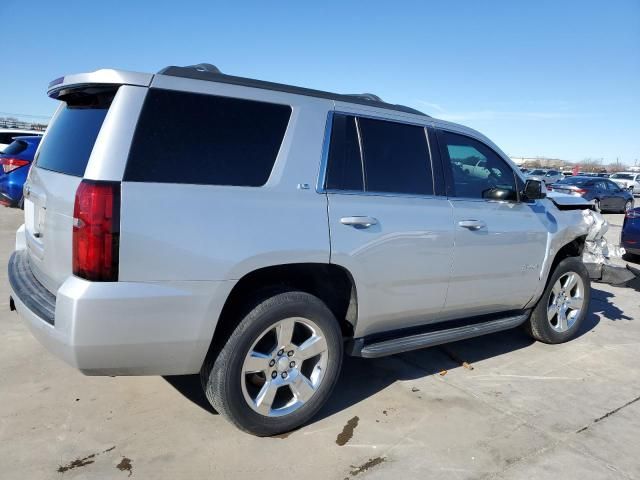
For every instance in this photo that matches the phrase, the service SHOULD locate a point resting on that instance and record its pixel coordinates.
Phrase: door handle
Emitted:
(359, 222)
(472, 224)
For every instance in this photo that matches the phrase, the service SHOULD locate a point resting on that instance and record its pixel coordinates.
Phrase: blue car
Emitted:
(606, 195)
(16, 160)
(630, 236)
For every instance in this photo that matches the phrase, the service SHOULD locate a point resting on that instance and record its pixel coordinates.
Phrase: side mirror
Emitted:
(498, 193)
(533, 190)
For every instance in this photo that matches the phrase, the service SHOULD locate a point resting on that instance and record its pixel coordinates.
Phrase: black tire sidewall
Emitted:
(229, 363)
(543, 331)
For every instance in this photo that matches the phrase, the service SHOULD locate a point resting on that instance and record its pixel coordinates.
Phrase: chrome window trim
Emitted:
(322, 174)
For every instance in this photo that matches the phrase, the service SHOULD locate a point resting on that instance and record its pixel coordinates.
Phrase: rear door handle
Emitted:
(472, 224)
(359, 222)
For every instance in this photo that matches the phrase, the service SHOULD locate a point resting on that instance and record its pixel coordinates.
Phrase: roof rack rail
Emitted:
(211, 73)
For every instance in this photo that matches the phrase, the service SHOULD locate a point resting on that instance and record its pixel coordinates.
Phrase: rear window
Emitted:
(16, 147)
(576, 181)
(204, 139)
(71, 136)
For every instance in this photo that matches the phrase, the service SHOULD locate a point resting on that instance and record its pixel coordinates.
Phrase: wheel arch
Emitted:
(331, 283)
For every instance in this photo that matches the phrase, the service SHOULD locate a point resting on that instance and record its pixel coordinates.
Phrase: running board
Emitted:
(390, 346)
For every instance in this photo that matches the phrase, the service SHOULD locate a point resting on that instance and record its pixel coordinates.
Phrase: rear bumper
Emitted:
(120, 328)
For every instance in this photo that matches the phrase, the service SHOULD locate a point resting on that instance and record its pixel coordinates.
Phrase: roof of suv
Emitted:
(208, 72)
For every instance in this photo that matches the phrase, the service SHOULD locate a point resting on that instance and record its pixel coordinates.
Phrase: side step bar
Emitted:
(373, 349)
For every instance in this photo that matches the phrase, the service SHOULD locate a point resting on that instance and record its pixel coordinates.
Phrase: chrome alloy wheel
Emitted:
(284, 367)
(565, 302)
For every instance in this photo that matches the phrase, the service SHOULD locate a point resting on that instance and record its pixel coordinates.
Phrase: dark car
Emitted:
(16, 160)
(606, 195)
(630, 236)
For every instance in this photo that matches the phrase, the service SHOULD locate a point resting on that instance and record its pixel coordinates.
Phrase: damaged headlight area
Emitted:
(598, 253)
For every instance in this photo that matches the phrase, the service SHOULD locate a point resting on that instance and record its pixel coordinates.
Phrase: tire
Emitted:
(628, 205)
(236, 394)
(596, 202)
(548, 328)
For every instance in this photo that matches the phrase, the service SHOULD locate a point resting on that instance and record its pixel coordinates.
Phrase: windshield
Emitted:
(623, 176)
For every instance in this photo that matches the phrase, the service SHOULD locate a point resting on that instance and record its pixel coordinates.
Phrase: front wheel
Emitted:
(564, 304)
(279, 365)
(628, 205)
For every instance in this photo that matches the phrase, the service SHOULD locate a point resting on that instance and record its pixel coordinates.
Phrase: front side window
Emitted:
(612, 186)
(476, 170)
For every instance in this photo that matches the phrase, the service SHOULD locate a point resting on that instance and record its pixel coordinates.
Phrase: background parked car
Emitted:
(8, 134)
(15, 161)
(630, 236)
(606, 194)
(546, 176)
(628, 180)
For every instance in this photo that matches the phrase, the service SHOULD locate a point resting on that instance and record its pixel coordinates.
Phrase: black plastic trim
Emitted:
(29, 290)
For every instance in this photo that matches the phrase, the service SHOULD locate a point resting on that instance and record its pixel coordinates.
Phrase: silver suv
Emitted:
(192, 221)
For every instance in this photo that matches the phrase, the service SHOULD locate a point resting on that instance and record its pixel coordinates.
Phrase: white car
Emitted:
(7, 134)
(628, 180)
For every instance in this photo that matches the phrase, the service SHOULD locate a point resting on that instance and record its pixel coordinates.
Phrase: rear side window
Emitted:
(344, 169)
(204, 139)
(16, 147)
(396, 157)
(71, 136)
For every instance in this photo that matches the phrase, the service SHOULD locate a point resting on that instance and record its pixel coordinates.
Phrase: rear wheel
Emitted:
(628, 206)
(279, 365)
(563, 305)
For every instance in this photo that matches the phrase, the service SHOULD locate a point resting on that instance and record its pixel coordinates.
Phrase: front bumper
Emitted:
(120, 328)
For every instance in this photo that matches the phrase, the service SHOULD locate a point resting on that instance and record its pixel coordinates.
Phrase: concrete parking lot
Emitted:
(500, 406)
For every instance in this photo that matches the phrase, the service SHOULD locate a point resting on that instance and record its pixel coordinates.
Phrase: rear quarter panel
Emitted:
(209, 232)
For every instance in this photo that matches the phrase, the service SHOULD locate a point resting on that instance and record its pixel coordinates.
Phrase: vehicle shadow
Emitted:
(362, 378)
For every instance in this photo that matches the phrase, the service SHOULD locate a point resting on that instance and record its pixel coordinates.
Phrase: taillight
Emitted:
(580, 191)
(96, 231)
(549, 188)
(9, 164)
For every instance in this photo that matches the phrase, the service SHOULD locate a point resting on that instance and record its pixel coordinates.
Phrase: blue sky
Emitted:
(540, 78)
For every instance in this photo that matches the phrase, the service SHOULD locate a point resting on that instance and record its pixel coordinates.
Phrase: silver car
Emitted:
(195, 222)
(546, 176)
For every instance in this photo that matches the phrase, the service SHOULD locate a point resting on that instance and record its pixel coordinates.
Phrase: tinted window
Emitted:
(575, 181)
(204, 139)
(18, 146)
(612, 186)
(396, 157)
(72, 134)
(344, 168)
(476, 170)
(623, 176)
